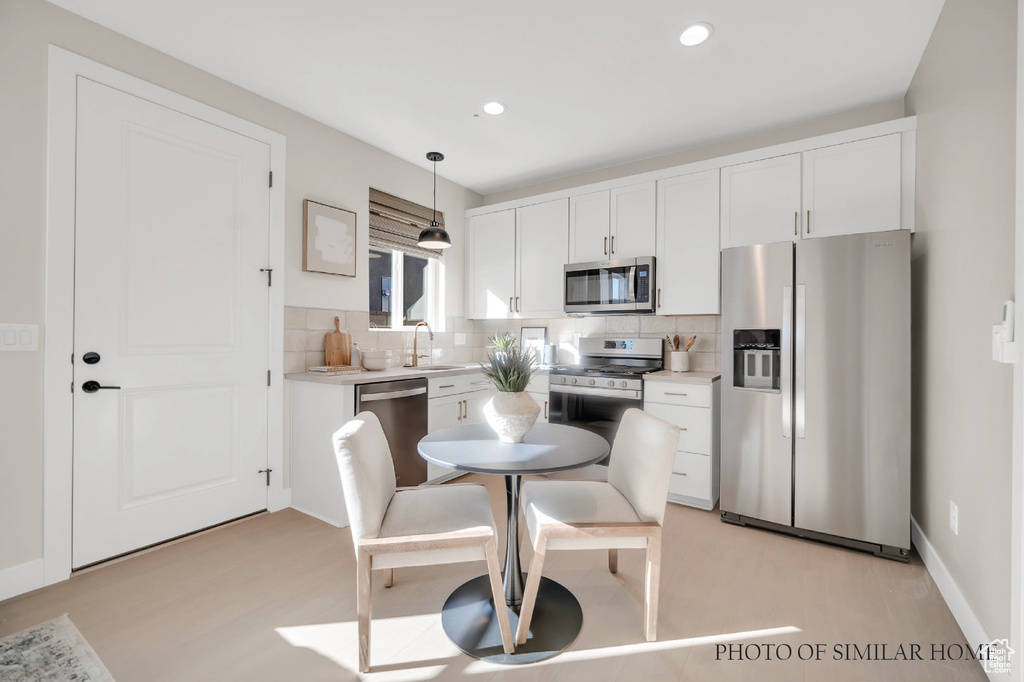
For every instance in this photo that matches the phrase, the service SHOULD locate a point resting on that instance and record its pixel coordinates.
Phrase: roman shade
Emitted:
(396, 223)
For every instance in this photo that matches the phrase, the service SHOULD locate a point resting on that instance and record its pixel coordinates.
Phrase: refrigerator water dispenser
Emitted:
(756, 359)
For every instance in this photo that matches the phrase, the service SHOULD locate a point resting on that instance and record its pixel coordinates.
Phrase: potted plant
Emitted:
(512, 412)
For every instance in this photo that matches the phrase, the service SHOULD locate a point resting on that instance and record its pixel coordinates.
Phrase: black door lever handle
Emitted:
(93, 386)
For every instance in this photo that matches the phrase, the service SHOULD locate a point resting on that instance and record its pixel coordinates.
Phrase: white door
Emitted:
(687, 267)
(588, 227)
(633, 219)
(172, 228)
(542, 250)
(492, 258)
(761, 201)
(853, 188)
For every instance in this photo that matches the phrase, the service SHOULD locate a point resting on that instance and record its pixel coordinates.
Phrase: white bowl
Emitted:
(376, 353)
(376, 364)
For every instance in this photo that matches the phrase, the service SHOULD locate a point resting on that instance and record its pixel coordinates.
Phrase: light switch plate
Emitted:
(23, 337)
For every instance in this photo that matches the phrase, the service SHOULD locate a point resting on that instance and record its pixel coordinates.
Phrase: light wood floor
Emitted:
(273, 598)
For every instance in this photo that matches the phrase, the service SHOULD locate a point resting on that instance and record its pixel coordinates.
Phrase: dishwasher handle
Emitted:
(391, 395)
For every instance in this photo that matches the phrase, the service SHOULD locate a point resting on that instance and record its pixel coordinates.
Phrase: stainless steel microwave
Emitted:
(615, 287)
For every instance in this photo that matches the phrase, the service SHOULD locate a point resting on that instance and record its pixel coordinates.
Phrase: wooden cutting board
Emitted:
(338, 346)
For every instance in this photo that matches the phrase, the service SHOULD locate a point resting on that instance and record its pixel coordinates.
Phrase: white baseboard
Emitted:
(962, 612)
(21, 578)
(320, 517)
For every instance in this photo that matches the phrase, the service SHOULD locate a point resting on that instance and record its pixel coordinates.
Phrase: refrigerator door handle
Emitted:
(800, 368)
(786, 370)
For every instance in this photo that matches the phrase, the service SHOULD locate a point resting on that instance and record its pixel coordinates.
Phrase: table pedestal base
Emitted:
(469, 620)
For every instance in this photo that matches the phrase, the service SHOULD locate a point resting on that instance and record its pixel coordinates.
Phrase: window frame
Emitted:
(434, 292)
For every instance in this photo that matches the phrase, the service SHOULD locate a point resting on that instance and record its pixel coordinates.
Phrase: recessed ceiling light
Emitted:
(695, 34)
(494, 108)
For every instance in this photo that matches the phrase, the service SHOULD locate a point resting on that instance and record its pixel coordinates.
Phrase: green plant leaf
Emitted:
(510, 370)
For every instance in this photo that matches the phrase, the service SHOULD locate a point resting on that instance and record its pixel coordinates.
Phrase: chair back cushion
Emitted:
(367, 473)
(641, 462)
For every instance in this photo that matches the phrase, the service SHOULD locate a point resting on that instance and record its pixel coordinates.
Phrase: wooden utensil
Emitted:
(675, 342)
(689, 343)
(338, 346)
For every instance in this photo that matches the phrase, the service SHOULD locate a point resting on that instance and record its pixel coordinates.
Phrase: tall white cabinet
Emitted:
(515, 260)
(687, 253)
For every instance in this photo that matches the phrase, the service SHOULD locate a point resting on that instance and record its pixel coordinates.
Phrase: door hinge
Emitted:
(268, 377)
(267, 472)
(270, 275)
(72, 387)
(271, 178)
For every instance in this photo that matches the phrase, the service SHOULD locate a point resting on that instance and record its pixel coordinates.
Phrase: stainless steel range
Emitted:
(608, 380)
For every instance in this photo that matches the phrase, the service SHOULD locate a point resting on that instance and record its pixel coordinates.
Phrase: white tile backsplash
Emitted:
(305, 328)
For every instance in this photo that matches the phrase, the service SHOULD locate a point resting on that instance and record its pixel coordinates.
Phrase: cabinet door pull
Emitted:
(460, 410)
(517, 304)
(465, 409)
(808, 221)
(683, 474)
(659, 297)
(796, 222)
(510, 308)
(606, 246)
(545, 409)
(613, 244)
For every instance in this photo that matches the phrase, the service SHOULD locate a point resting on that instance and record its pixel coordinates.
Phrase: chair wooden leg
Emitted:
(531, 589)
(651, 581)
(498, 594)
(613, 560)
(389, 577)
(364, 584)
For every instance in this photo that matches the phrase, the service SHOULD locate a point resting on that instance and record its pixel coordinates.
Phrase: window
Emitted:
(406, 281)
(403, 289)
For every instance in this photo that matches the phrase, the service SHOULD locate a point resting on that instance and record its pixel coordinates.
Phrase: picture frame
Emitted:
(328, 239)
(535, 338)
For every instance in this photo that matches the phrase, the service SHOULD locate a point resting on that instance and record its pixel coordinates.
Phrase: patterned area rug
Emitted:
(54, 650)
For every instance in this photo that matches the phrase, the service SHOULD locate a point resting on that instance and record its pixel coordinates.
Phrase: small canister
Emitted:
(550, 354)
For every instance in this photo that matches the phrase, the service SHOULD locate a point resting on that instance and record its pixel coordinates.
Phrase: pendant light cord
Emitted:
(433, 221)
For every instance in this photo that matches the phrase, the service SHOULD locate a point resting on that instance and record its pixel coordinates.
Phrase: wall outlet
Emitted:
(954, 518)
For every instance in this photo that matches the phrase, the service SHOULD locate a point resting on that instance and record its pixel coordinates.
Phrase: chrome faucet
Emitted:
(415, 343)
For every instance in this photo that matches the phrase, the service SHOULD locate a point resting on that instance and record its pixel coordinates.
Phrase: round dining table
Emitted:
(468, 617)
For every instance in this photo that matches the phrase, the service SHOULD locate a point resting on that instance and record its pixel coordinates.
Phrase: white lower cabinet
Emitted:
(453, 401)
(538, 390)
(694, 408)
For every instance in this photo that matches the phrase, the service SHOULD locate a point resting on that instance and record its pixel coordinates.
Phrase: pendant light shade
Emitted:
(435, 236)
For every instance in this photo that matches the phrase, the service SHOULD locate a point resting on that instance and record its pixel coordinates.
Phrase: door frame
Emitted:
(64, 69)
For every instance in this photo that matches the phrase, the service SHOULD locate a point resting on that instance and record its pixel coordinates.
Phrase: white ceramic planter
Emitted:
(511, 415)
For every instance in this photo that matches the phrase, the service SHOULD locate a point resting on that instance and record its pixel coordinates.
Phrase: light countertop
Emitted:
(392, 374)
(684, 377)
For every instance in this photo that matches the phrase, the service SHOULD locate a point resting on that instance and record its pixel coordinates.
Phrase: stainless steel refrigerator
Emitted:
(816, 389)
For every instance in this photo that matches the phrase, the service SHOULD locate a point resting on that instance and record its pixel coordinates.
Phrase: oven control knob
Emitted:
(561, 380)
(611, 383)
(623, 384)
(591, 382)
(574, 380)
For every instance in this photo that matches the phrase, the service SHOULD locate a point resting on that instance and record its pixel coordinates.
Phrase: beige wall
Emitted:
(876, 113)
(322, 164)
(964, 95)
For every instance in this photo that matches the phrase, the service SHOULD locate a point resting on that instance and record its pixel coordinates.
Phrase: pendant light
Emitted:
(434, 237)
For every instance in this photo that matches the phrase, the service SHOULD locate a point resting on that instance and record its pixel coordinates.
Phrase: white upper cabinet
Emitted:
(588, 227)
(761, 201)
(542, 250)
(688, 255)
(853, 187)
(633, 221)
(491, 271)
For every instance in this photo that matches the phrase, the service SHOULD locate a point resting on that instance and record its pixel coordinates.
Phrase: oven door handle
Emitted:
(624, 394)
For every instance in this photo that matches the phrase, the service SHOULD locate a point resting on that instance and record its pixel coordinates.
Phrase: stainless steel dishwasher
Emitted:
(401, 407)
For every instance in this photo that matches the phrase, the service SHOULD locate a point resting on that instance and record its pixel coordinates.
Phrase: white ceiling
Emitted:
(588, 83)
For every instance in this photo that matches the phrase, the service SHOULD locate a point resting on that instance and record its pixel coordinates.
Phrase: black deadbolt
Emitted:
(91, 358)
(93, 386)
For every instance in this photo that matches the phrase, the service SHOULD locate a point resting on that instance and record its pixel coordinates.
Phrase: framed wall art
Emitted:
(328, 239)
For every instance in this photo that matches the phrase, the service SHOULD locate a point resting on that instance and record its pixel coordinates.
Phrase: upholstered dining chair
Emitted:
(624, 512)
(398, 527)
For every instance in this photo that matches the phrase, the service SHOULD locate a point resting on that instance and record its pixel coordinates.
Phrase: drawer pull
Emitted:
(683, 428)
(679, 394)
(683, 474)
(447, 386)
